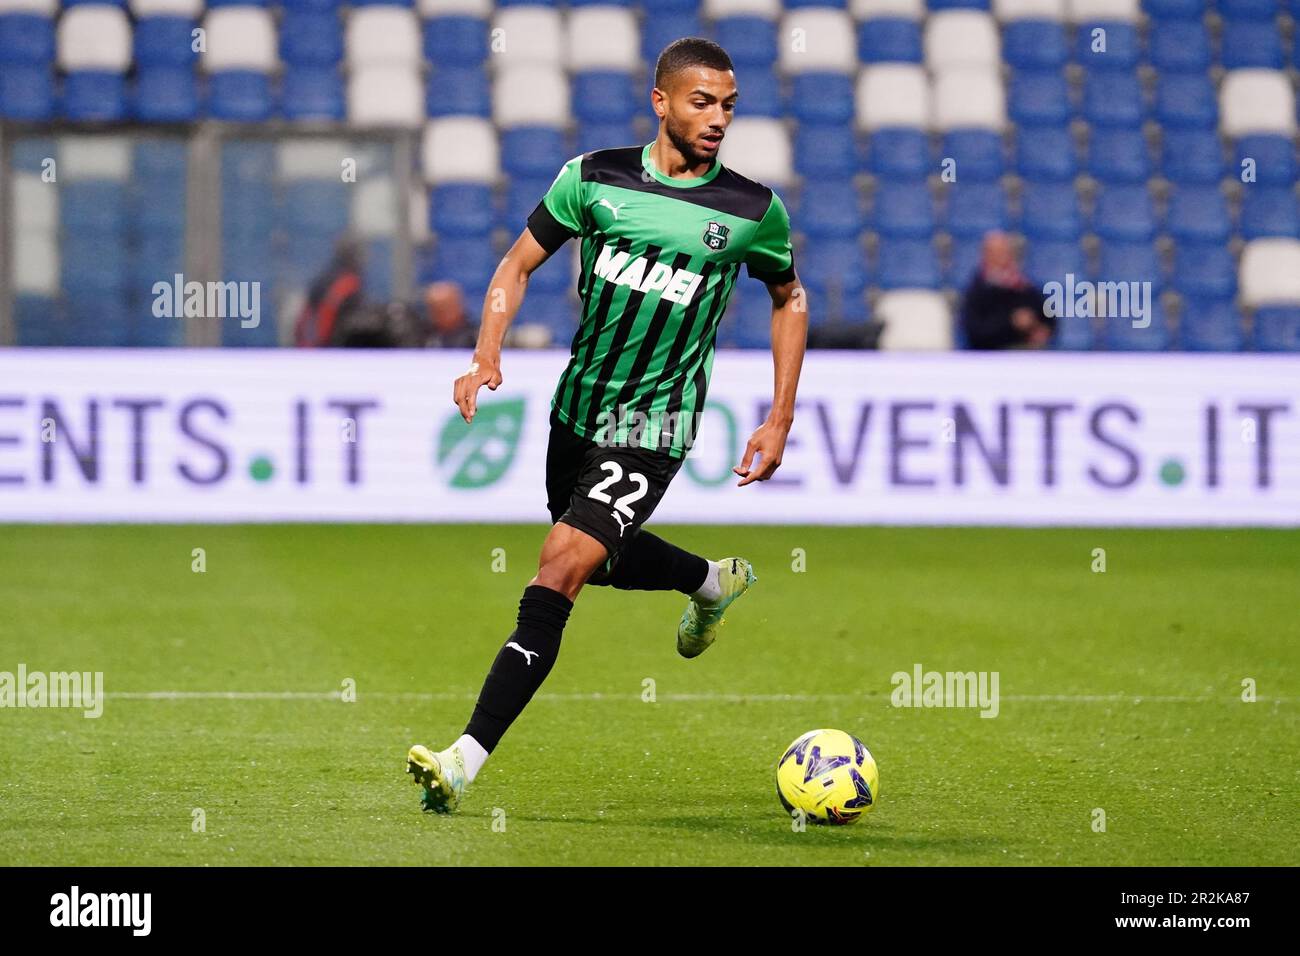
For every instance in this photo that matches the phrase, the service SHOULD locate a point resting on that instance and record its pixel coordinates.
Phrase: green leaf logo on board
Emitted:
(475, 456)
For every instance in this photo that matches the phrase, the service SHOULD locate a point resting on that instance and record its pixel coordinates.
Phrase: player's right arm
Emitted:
(558, 217)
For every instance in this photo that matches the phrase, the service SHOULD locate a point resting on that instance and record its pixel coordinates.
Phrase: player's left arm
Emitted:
(771, 260)
(789, 340)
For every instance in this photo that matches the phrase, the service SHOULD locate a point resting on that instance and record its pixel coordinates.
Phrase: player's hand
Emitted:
(465, 390)
(768, 442)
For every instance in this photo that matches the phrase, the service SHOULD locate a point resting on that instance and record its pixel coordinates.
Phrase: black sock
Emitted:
(650, 563)
(521, 665)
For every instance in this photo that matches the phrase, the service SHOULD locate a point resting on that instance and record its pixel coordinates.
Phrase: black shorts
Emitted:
(608, 492)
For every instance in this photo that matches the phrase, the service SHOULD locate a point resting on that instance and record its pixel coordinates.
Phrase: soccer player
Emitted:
(665, 229)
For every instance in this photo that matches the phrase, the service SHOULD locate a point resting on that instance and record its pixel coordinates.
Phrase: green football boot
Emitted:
(700, 621)
(442, 775)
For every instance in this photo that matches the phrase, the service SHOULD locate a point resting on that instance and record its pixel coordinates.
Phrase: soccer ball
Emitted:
(829, 775)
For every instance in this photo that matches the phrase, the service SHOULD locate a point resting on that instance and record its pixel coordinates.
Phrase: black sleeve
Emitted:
(773, 278)
(549, 232)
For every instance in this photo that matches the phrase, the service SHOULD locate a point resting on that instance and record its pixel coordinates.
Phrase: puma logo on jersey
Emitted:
(622, 525)
(528, 655)
(675, 285)
(612, 208)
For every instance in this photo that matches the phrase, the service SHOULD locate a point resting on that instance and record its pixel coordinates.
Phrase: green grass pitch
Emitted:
(1119, 690)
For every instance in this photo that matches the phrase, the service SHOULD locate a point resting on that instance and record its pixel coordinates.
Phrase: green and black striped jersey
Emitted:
(659, 259)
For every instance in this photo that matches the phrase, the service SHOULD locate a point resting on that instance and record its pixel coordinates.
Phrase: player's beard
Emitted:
(683, 145)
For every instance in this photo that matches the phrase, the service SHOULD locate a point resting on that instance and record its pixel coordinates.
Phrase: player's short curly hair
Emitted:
(688, 52)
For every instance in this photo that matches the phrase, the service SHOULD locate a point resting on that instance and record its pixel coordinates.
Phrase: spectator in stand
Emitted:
(334, 296)
(1001, 308)
(449, 326)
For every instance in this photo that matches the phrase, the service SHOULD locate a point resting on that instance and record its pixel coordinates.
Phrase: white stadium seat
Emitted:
(240, 38)
(46, 8)
(530, 95)
(893, 9)
(827, 44)
(969, 98)
(95, 37)
(961, 38)
(1103, 11)
(1008, 10)
(1270, 272)
(460, 149)
(167, 8)
(36, 204)
(385, 96)
(36, 264)
(383, 36)
(716, 9)
(527, 34)
(759, 148)
(893, 94)
(374, 207)
(1257, 101)
(419, 215)
(96, 158)
(603, 38)
(915, 319)
(317, 158)
(455, 8)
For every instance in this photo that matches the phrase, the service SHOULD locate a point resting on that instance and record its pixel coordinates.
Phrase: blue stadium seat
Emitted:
(165, 94)
(906, 264)
(458, 91)
(666, 26)
(752, 318)
(1186, 101)
(974, 208)
(977, 152)
(89, 266)
(825, 149)
(555, 277)
(164, 41)
(1051, 261)
(1179, 46)
(889, 40)
(1122, 48)
(310, 39)
(93, 95)
(534, 151)
(316, 6)
(240, 95)
(750, 41)
(604, 96)
(796, 4)
(313, 93)
(377, 276)
(1174, 9)
(364, 3)
(457, 40)
(148, 331)
(1034, 44)
(26, 92)
(1130, 262)
(1125, 214)
(555, 310)
(523, 193)
(1045, 153)
(158, 256)
(1247, 9)
(93, 206)
(1247, 44)
(833, 267)
(903, 210)
(37, 320)
(1204, 270)
(1118, 155)
(762, 92)
(820, 97)
(1192, 155)
(26, 39)
(607, 135)
(899, 152)
(1269, 211)
(1274, 157)
(1074, 333)
(94, 321)
(1123, 336)
(1039, 98)
(831, 209)
(963, 260)
(1113, 99)
(1277, 328)
(1198, 214)
(461, 209)
(1050, 210)
(1210, 325)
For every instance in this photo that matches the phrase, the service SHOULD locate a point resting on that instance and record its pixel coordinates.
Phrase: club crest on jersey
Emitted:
(715, 235)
